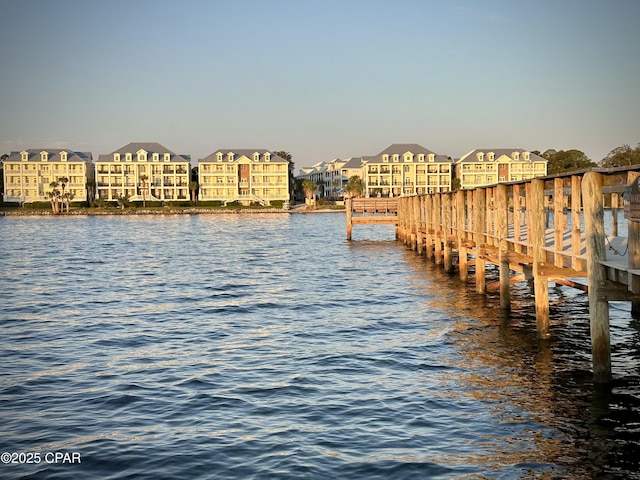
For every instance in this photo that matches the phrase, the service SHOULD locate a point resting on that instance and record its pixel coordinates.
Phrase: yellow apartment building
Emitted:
(406, 169)
(143, 172)
(29, 173)
(243, 175)
(488, 167)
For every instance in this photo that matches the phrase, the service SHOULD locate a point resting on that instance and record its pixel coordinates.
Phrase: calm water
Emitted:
(267, 347)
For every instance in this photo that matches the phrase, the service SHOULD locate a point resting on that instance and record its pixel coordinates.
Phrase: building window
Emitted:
(432, 157)
(116, 157)
(155, 157)
(127, 157)
(44, 156)
(167, 157)
(24, 156)
(385, 158)
(396, 157)
(267, 157)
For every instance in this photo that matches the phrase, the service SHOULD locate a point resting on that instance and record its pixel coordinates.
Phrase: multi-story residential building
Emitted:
(328, 176)
(143, 171)
(406, 169)
(28, 174)
(491, 166)
(352, 167)
(243, 175)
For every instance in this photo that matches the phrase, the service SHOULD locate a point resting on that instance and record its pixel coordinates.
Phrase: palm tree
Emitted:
(143, 180)
(194, 186)
(54, 195)
(91, 190)
(63, 181)
(354, 187)
(309, 188)
(67, 199)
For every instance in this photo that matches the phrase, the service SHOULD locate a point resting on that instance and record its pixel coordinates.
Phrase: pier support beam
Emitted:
(598, 311)
(502, 212)
(540, 282)
(349, 214)
(479, 226)
(463, 264)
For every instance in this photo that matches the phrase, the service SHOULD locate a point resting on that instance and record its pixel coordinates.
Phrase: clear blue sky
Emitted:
(320, 79)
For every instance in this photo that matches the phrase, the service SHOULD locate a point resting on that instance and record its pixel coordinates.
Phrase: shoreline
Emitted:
(170, 211)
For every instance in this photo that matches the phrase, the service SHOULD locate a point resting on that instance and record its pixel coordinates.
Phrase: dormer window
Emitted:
(167, 157)
(44, 156)
(480, 156)
(142, 156)
(127, 157)
(396, 157)
(432, 157)
(491, 156)
(408, 157)
(116, 157)
(267, 157)
(63, 156)
(155, 157)
(385, 158)
(24, 156)
(516, 156)
(421, 157)
(527, 156)
(256, 156)
(219, 156)
(230, 156)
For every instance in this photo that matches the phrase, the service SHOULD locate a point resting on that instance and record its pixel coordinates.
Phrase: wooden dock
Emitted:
(549, 229)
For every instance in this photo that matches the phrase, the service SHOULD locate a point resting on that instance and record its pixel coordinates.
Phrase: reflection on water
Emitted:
(266, 346)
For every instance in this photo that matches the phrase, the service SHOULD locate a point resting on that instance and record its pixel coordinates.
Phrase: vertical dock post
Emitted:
(558, 220)
(633, 244)
(437, 227)
(417, 245)
(446, 230)
(479, 223)
(540, 283)
(502, 227)
(517, 220)
(463, 264)
(420, 222)
(576, 234)
(598, 311)
(349, 214)
(428, 225)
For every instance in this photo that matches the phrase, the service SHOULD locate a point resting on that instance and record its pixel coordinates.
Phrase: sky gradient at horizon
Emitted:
(320, 79)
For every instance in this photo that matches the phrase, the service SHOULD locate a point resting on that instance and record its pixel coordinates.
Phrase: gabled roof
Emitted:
(239, 152)
(472, 156)
(150, 147)
(354, 162)
(401, 149)
(34, 155)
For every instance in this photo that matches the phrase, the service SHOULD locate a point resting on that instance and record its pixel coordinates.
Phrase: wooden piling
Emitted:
(463, 264)
(479, 222)
(540, 282)
(349, 213)
(446, 230)
(502, 227)
(598, 310)
(633, 247)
